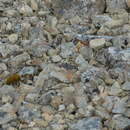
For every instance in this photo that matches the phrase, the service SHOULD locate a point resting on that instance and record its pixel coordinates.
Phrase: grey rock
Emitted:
(92, 123)
(86, 53)
(126, 86)
(71, 7)
(115, 89)
(6, 115)
(120, 106)
(13, 38)
(121, 122)
(115, 4)
(25, 10)
(7, 89)
(56, 58)
(99, 20)
(7, 49)
(27, 71)
(97, 43)
(89, 74)
(19, 59)
(67, 50)
(109, 102)
(27, 114)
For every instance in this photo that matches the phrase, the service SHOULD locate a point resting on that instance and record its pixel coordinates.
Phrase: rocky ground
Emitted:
(64, 65)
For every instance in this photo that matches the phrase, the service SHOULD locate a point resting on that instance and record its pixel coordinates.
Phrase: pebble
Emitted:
(97, 43)
(115, 89)
(126, 86)
(56, 58)
(87, 124)
(121, 122)
(13, 38)
(128, 3)
(26, 10)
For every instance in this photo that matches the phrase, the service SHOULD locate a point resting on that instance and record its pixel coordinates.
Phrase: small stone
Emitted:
(31, 97)
(75, 20)
(91, 123)
(7, 49)
(102, 113)
(128, 3)
(115, 89)
(97, 43)
(34, 5)
(7, 113)
(3, 67)
(86, 53)
(120, 106)
(126, 86)
(19, 59)
(13, 38)
(27, 71)
(56, 58)
(41, 123)
(26, 10)
(56, 101)
(61, 107)
(52, 21)
(7, 89)
(114, 24)
(48, 117)
(67, 50)
(60, 76)
(6, 99)
(120, 122)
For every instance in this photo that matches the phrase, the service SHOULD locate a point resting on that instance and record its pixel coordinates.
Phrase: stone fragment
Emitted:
(20, 59)
(115, 89)
(67, 50)
(27, 71)
(120, 122)
(97, 43)
(7, 49)
(34, 5)
(126, 86)
(56, 58)
(92, 123)
(128, 3)
(7, 113)
(13, 38)
(112, 4)
(120, 106)
(25, 10)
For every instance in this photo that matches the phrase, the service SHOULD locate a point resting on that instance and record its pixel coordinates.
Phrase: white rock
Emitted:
(128, 3)
(34, 5)
(13, 38)
(26, 10)
(97, 43)
(56, 58)
(115, 89)
(59, 75)
(52, 21)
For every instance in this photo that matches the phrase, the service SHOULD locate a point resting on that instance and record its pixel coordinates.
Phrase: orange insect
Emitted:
(13, 79)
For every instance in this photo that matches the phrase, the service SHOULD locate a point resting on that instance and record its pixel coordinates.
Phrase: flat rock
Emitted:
(92, 123)
(126, 86)
(97, 43)
(121, 122)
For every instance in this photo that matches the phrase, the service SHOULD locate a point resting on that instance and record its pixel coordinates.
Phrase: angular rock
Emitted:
(115, 89)
(121, 122)
(97, 43)
(92, 123)
(120, 4)
(13, 38)
(126, 86)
